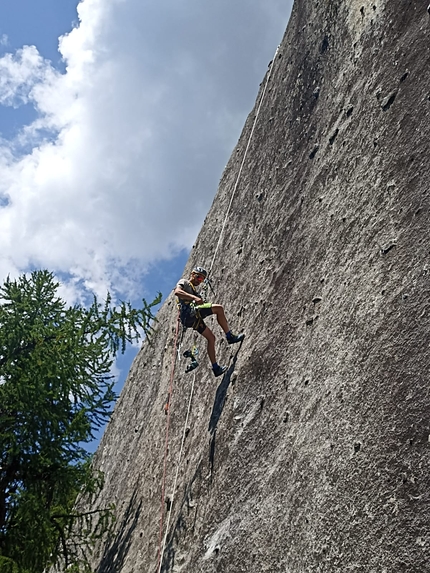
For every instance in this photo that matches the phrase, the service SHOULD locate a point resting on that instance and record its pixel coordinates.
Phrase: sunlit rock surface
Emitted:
(312, 454)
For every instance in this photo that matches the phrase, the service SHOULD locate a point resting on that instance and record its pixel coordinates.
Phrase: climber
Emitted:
(193, 311)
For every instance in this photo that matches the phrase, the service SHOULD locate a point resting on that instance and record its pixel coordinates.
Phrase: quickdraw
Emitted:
(193, 353)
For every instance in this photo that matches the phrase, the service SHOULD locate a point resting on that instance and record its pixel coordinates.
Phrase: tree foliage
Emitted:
(56, 390)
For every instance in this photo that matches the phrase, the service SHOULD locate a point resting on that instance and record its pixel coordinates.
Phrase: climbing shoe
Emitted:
(219, 370)
(233, 338)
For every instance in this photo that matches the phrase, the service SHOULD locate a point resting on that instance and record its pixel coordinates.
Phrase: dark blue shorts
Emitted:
(193, 316)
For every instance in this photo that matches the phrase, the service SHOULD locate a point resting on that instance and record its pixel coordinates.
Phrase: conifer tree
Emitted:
(56, 391)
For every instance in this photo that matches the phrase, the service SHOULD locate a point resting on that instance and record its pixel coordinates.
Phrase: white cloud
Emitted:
(124, 158)
(18, 74)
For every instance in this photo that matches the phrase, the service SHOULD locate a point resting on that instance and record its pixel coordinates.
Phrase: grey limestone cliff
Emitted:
(312, 454)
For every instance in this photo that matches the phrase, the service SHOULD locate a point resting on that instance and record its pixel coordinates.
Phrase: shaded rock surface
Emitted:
(312, 454)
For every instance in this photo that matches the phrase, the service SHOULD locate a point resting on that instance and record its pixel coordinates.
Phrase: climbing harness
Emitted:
(188, 315)
(206, 285)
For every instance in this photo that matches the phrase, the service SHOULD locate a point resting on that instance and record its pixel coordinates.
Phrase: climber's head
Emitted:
(198, 275)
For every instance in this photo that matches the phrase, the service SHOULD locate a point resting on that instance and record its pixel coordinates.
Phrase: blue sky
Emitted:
(38, 23)
(117, 118)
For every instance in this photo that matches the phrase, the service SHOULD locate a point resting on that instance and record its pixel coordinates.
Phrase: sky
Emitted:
(117, 118)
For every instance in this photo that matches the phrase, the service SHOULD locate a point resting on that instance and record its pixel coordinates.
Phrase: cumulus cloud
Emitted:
(123, 160)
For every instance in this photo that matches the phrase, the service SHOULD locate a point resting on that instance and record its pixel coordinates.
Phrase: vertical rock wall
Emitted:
(312, 453)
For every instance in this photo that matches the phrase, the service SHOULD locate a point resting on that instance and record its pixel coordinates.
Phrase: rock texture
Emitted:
(312, 454)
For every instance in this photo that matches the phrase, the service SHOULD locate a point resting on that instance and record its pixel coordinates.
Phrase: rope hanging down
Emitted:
(243, 161)
(166, 441)
(167, 409)
(178, 465)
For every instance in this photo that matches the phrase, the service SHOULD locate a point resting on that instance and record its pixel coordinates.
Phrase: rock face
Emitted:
(312, 454)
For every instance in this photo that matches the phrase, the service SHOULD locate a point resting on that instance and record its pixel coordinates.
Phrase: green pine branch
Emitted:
(56, 390)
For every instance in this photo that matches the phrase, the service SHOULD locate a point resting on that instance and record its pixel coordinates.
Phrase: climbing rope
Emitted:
(178, 465)
(162, 543)
(166, 442)
(243, 161)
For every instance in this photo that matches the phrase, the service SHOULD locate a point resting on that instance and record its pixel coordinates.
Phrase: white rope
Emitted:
(184, 435)
(243, 160)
